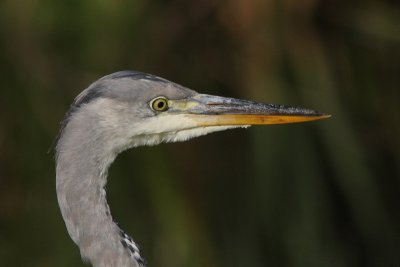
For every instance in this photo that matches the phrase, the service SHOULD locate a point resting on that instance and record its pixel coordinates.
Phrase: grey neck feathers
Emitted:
(81, 177)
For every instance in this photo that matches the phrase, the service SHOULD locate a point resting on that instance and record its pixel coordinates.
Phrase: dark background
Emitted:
(314, 194)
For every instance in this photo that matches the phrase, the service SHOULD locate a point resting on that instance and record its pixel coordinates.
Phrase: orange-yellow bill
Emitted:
(209, 110)
(251, 119)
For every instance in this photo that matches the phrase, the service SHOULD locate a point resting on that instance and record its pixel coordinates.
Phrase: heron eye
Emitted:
(159, 104)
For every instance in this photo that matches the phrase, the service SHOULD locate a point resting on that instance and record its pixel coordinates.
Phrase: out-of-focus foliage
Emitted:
(315, 194)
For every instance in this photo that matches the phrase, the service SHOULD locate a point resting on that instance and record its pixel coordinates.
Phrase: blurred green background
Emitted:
(315, 194)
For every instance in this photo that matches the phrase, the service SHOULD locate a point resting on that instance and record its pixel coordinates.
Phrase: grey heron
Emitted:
(129, 109)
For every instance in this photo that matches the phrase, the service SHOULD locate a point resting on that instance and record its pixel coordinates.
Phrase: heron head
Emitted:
(132, 109)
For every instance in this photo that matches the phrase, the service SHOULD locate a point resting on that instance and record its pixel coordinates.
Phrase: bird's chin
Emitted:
(166, 128)
(174, 136)
(184, 135)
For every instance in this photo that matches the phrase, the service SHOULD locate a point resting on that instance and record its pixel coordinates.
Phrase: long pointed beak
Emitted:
(208, 110)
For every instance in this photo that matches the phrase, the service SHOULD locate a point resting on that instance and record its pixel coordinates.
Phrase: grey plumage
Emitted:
(116, 113)
(80, 186)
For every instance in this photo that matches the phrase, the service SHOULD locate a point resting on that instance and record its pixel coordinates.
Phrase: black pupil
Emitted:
(160, 104)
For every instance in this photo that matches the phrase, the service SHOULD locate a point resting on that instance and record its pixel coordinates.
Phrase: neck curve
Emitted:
(81, 176)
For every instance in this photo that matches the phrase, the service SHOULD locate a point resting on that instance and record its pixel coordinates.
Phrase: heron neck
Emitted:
(81, 178)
